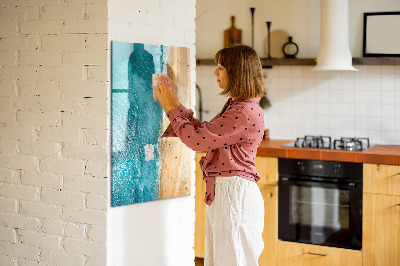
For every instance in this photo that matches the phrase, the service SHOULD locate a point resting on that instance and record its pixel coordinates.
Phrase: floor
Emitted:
(199, 262)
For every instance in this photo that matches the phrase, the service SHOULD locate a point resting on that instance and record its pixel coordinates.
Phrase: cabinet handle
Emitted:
(318, 254)
(398, 204)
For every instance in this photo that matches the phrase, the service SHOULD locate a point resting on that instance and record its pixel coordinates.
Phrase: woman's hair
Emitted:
(245, 78)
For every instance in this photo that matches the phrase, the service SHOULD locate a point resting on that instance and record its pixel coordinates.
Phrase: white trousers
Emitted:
(234, 223)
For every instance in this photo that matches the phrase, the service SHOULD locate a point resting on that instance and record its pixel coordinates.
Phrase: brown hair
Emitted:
(245, 78)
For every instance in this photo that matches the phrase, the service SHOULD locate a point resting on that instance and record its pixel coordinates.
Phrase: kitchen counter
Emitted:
(379, 154)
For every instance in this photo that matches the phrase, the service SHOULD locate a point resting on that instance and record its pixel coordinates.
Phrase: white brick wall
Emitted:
(53, 121)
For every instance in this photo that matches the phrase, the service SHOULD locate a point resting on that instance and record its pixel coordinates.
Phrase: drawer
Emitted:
(381, 179)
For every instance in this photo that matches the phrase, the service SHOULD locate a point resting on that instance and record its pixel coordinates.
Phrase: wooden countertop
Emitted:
(379, 154)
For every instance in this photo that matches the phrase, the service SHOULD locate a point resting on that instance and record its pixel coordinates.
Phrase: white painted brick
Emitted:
(40, 27)
(86, 184)
(62, 12)
(8, 261)
(35, 239)
(18, 161)
(26, 103)
(61, 259)
(38, 209)
(97, 234)
(85, 89)
(75, 230)
(7, 175)
(39, 148)
(94, 201)
(35, 2)
(40, 58)
(60, 73)
(63, 197)
(7, 117)
(8, 58)
(84, 26)
(18, 13)
(84, 247)
(39, 87)
(84, 216)
(17, 132)
(53, 227)
(39, 118)
(68, 135)
(84, 121)
(8, 146)
(85, 152)
(87, 57)
(97, 73)
(41, 179)
(98, 11)
(62, 166)
(17, 191)
(55, 103)
(99, 260)
(18, 72)
(19, 43)
(7, 88)
(8, 234)
(25, 262)
(97, 42)
(8, 205)
(95, 168)
(65, 42)
(96, 137)
(18, 250)
(95, 105)
(19, 221)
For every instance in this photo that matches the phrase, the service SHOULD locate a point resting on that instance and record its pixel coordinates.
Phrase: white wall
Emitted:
(338, 104)
(53, 110)
(159, 232)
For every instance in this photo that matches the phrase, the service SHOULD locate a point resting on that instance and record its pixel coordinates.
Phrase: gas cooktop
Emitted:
(325, 142)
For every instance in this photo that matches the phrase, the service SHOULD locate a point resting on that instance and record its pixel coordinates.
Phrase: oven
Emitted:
(320, 202)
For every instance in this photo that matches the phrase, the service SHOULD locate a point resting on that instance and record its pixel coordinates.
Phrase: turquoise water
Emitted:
(136, 122)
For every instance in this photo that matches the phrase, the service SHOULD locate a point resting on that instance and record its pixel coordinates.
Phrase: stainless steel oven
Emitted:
(320, 202)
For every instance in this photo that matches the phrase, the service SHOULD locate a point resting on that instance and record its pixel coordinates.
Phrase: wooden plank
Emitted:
(200, 207)
(381, 179)
(175, 168)
(381, 230)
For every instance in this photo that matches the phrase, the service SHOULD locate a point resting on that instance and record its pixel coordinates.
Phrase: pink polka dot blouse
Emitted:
(231, 139)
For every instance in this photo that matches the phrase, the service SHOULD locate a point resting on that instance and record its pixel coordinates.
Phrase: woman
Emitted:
(235, 207)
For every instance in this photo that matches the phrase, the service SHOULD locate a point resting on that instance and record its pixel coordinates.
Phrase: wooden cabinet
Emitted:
(270, 233)
(381, 215)
(200, 207)
(298, 254)
(381, 179)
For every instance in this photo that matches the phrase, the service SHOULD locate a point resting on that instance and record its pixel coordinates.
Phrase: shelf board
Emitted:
(265, 62)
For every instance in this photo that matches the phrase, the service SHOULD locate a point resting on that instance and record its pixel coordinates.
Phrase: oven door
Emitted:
(321, 212)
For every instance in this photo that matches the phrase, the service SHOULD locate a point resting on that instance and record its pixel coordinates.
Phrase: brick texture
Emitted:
(53, 121)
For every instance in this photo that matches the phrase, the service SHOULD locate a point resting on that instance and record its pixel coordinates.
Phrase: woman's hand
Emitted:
(164, 93)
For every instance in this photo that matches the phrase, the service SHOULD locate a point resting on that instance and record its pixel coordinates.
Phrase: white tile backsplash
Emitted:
(364, 103)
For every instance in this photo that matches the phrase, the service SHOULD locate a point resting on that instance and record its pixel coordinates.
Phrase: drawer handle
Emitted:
(318, 254)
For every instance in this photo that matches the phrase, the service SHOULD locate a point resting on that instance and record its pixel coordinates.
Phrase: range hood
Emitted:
(334, 51)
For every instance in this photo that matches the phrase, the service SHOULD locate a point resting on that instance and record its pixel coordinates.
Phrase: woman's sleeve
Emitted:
(188, 114)
(223, 131)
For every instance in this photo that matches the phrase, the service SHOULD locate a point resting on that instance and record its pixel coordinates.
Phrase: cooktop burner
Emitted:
(324, 142)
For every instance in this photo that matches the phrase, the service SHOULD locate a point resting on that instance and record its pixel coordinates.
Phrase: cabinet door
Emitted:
(200, 207)
(381, 179)
(381, 230)
(270, 233)
(297, 254)
(267, 168)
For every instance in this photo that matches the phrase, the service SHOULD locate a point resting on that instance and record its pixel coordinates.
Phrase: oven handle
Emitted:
(297, 181)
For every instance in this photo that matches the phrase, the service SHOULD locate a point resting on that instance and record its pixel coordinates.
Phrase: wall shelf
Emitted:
(312, 61)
